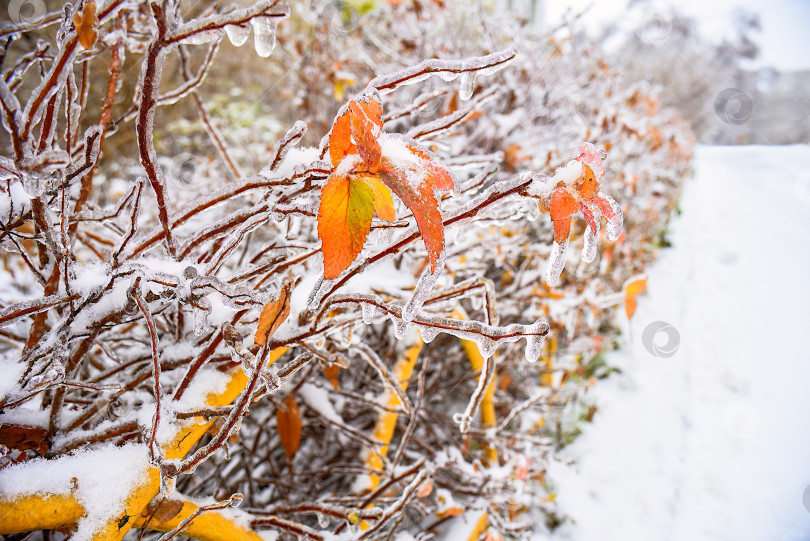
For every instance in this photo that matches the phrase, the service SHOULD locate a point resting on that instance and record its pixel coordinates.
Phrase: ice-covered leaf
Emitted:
(288, 421)
(414, 174)
(365, 133)
(576, 187)
(86, 24)
(273, 315)
(344, 220)
(365, 161)
(383, 201)
(340, 138)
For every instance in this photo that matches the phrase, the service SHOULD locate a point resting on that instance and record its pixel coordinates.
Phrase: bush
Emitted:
(176, 329)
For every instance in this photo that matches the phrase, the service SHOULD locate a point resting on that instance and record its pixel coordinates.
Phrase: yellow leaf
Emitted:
(344, 220)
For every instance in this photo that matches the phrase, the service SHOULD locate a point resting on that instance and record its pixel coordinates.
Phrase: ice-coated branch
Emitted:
(394, 509)
(487, 337)
(149, 89)
(154, 448)
(233, 501)
(214, 24)
(14, 312)
(484, 380)
(446, 69)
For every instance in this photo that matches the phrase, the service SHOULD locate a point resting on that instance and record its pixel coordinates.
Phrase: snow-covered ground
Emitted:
(713, 442)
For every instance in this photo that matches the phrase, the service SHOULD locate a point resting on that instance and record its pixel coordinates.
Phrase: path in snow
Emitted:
(712, 443)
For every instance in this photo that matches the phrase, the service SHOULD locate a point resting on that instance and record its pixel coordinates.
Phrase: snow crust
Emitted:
(100, 478)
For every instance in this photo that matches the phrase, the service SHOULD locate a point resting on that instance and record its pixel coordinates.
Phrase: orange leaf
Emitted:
(562, 205)
(562, 228)
(331, 372)
(425, 209)
(344, 220)
(273, 315)
(588, 187)
(633, 287)
(86, 25)
(438, 175)
(383, 202)
(363, 130)
(340, 138)
(450, 512)
(288, 421)
(630, 304)
(425, 490)
(414, 174)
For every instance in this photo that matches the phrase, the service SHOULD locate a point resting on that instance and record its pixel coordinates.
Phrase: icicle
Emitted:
(534, 342)
(428, 333)
(264, 35)
(200, 315)
(237, 34)
(614, 227)
(486, 346)
(400, 327)
(589, 247)
(448, 75)
(466, 85)
(423, 288)
(384, 236)
(556, 262)
(369, 312)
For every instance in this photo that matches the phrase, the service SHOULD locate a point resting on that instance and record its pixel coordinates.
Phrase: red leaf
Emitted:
(414, 174)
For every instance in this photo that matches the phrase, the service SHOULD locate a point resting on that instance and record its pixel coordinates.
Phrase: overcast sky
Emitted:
(784, 40)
